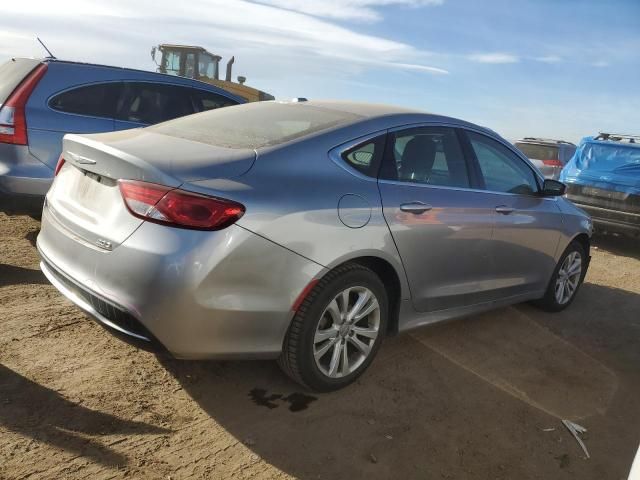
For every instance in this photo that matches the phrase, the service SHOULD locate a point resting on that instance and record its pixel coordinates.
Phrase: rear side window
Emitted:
(150, 103)
(428, 155)
(538, 152)
(204, 100)
(97, 100)
(12, 73)
(366, 157)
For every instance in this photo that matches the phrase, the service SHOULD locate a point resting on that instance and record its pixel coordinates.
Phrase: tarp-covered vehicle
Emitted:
(603, 178)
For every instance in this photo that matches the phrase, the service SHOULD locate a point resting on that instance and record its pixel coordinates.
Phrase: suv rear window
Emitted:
(97, 100)
(12, 73)
(255, 125)
(537, 151)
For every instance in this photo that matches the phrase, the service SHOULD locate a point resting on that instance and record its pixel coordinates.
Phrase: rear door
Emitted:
(440, 222)
(527, 225)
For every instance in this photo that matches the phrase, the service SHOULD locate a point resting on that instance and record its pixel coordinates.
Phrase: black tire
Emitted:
(297, 358)
(549, 302)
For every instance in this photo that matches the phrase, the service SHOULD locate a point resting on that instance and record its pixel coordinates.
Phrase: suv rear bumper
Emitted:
(22, 176)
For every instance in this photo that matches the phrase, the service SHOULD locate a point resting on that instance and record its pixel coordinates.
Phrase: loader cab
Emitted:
(195, 62)
(186, 61)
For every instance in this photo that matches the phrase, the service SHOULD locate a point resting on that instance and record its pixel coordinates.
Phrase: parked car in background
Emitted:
(603, 178)
(304, 231)
(42, 100)
(550, 156)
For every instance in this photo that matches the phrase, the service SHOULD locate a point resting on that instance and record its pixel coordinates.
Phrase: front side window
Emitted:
(94, 100)
(150, 103)
(502, 169)
(427, 155)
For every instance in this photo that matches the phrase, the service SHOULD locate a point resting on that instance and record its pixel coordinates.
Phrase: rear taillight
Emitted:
(552, 163)
(13, 121)
(178, 208)
(58, 166)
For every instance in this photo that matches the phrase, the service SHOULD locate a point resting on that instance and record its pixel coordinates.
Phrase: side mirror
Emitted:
(553, 188)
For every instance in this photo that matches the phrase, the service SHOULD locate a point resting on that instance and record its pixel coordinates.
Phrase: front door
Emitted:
(527, 225)
(440, 222)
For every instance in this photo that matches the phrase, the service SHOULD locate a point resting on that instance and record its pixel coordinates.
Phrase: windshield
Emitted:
(610, 158)
(254, 125)
(538, 152)
(12, 73)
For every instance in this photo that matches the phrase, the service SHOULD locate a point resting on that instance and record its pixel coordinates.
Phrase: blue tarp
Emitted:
(605, 164)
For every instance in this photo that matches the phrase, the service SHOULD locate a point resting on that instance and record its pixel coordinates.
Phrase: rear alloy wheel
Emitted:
(566, 279)
(337, 330)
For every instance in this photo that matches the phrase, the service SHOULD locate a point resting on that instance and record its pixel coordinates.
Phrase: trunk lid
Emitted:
(85, 198)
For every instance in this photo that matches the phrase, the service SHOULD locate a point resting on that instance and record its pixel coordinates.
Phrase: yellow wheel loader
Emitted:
(197, 63)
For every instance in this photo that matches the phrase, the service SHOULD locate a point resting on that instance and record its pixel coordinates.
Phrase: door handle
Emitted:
(415, 207)
(503, 209)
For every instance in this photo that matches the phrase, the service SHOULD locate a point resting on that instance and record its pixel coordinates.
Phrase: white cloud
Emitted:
(360, 10)
(494, 57)
(600, 64)
(283, 52)
(549, 59)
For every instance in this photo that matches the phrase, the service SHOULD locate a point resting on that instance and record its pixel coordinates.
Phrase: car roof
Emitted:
(389, 114)
(165, 77)
(544, 141)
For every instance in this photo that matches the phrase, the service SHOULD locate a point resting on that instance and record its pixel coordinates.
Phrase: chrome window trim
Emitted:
(335, 154)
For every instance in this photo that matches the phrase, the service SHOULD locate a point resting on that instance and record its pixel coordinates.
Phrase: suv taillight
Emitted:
(13, 121)
(178, 208)
(552, 163)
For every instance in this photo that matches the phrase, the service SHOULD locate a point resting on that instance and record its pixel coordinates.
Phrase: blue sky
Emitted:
(562, 69)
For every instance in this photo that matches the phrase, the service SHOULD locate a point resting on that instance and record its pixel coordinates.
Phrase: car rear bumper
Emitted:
(224, 294)
(613, 220)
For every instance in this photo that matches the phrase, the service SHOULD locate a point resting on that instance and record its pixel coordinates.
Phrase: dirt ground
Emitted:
(480, 398)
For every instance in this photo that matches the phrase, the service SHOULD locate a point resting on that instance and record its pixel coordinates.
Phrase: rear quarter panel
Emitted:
(292, 195)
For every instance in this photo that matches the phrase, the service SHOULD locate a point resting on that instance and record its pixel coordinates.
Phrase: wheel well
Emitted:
(583, 239)
(389, 278)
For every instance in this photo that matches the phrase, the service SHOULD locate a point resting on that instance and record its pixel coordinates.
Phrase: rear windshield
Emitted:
(12, 73)
(615, 158)
(254, 125)
(538, 152)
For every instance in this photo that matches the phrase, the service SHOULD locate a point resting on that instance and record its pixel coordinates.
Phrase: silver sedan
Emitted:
(304, 231)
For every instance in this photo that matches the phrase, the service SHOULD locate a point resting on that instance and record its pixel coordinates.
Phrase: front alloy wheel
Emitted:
(569, 277)
(566, 279)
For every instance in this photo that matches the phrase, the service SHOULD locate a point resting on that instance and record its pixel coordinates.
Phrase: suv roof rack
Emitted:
(618, 137)
(546, 140)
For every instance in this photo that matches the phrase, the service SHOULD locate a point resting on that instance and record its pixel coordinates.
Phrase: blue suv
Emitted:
(603, 178)
(42, 100)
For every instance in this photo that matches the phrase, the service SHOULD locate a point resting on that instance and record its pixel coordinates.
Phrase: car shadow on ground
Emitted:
(44, 415)
(12, 275)
(476, 398)
(620, 245)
